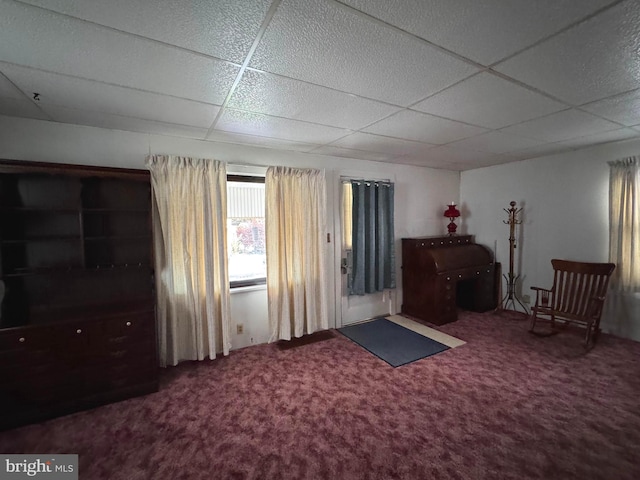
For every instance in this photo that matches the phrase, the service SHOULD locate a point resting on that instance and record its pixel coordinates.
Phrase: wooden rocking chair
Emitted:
(577, 296)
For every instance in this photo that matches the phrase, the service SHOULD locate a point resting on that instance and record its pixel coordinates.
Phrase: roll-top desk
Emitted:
(440, 274)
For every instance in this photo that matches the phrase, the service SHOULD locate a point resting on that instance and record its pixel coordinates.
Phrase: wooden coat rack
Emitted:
(511, 297)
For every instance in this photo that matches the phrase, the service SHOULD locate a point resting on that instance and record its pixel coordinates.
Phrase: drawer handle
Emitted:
(21, 339)
(79, 330)
(118, 354)
(128, 324)
(460, 276)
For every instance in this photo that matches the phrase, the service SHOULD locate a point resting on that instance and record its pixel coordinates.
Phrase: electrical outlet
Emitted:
(526, 299)
(240, 328)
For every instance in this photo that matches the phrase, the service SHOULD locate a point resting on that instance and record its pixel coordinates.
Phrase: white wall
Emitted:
(565, 214)
(420, 194)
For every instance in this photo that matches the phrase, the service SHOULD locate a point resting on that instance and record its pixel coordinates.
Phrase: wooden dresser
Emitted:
(442, 274)
(77, 323)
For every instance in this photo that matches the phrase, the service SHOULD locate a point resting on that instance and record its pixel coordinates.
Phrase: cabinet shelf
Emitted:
(115, 210)
(117, 237)
(105, 268)
(39, 210)
(44, 238)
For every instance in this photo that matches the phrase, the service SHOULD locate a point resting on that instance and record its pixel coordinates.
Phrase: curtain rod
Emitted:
(386, 183)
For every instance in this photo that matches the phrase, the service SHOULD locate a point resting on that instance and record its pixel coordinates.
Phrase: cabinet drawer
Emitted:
(25, 339)
(76, 336)
(127, 353)
(130, 328)
(124, 373)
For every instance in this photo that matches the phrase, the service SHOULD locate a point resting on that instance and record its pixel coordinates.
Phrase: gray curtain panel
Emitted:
(373, 247)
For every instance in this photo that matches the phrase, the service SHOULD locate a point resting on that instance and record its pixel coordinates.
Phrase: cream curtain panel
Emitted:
(624, 223)
(296, 255)
(192, 280)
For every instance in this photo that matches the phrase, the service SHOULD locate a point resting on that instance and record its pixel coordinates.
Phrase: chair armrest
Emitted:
(542, 296)
(539, 288)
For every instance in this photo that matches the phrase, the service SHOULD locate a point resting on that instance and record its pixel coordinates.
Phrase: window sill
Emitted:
(249, 288)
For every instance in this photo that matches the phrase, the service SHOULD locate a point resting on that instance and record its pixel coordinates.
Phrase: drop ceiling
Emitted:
(446, 84)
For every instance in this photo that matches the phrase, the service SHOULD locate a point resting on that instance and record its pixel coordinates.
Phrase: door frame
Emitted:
(389, 297)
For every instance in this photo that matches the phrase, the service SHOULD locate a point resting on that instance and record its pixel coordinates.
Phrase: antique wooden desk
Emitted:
(442, 274)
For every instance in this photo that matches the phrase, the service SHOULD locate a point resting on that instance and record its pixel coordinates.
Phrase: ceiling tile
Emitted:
(239, 121)
(224, 28)
(350, 153)
(267, 142)
(421, 127)
(593, 60)
(623, 108)
(461, 155)
(330, 45)
(540, 151)
(483, 31)
(496, 142)
(561, 126)
(420, 160)
(284, 97)
(116, 122)
(377, 143)
(82, 94)
(8, 89)
(37, 38)
(488, 101)
(13, 107)
(605, 137)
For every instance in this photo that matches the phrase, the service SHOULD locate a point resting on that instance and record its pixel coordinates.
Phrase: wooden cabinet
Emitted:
(442, 274)
(77, 319)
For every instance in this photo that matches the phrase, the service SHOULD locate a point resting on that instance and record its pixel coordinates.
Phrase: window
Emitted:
(245, 230)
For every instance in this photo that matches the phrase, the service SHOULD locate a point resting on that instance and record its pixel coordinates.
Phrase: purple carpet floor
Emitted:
(506, 405)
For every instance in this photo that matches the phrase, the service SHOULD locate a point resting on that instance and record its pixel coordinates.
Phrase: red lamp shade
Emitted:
(452, 213)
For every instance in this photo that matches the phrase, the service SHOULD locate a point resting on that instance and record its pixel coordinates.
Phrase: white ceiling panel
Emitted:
(458, 155)
(363, 57)
(480, 30)
(561, 126)
(284, 97)
(350, 153)
(33, 37)
(226, 137)
(421, 161)
(488, 101)
(221, 28)
(383, 80)
(378, 143)
(248, 123)
(82, 94)
(14, 107)
(593, 60)
(452, 158)
(116, 122)
(496, 142)
(623, 108)
(8, 89)
(421, 127)
(598, 138)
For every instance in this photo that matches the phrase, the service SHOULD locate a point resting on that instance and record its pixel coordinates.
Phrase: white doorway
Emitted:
(352, 309)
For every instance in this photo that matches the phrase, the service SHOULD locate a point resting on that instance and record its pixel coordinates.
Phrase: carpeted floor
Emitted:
(506, 405)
